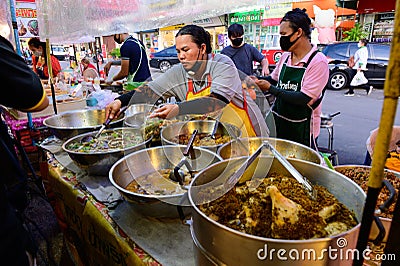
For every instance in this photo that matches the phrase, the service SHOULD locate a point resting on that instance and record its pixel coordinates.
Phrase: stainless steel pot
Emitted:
(99, 163)
(216, 244)
(386, 222)
(151, 160)
(169, 133)
(72, 123)
(138, 108)
(287, 148)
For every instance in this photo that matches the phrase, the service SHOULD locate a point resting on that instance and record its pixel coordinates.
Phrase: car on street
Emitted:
(164, 59)
(338, 55)
(59, 52)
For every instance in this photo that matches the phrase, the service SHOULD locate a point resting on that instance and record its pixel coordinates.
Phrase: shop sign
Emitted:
(385, 16)
(245, 17)
(173, 27)
(276, 10)
(210, 22)
(27, 23)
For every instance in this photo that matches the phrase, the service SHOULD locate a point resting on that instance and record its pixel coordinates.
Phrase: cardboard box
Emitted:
(61, 107)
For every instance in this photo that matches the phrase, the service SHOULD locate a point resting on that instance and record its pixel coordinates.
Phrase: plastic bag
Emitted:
(359, 79)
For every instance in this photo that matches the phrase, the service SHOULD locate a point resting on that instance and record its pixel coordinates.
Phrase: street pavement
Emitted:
(358, 116)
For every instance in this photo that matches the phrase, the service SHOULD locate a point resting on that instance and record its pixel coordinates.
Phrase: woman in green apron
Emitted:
(297, 82)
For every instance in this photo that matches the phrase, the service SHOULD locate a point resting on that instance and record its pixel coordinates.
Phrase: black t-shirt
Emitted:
(134, 51)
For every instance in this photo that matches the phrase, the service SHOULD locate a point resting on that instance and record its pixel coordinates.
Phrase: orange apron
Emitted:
(231, 114)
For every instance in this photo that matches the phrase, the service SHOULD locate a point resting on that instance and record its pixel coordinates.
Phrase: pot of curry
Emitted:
(271, 219)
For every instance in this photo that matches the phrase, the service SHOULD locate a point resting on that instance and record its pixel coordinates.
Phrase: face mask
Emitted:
(37, 53)
(359, 45)
(286, 43)
(195, 66)
(117, 40)
(237, 41)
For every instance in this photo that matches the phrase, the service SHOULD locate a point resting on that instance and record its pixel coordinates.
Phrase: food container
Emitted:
(151, 160)
(72, 123)
(289, 149)
(138, 108)
(100, 162)
(216, 244)
(171, 133)
(363, 171)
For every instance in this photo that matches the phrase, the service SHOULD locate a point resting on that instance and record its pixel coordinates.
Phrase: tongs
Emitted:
(103, 126)
(177, 175)
(265, 144)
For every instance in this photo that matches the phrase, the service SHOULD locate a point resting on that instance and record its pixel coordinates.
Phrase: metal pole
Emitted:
(18, 48)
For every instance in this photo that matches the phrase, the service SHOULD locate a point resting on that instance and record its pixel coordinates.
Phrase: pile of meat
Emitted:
(279, 208)
(360, 176)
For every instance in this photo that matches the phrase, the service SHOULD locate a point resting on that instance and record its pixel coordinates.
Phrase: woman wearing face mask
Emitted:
(39, 59)
(297, 82)
(201, 83)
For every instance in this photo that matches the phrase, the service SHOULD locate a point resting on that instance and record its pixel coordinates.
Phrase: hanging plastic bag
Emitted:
(359, 79)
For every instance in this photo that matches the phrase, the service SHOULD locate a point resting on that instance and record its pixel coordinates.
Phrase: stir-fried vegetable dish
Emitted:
(113, 140)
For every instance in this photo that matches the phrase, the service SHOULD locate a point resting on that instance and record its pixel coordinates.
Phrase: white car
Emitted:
(59, 52)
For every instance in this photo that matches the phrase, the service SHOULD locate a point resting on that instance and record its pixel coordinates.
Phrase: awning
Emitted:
(373, 6)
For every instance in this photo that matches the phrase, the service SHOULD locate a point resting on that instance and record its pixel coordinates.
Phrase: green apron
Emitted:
(293, 122)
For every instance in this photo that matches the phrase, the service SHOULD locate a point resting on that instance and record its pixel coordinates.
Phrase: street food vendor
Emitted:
(297, 82)
(201, 83)
(39, 59)
(134, 63)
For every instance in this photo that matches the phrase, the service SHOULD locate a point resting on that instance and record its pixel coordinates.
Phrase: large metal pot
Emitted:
(216, 244)
(151, 160)
(386, 222)
(72, 123)
(169, 133)
(289, 149)
(99, 163)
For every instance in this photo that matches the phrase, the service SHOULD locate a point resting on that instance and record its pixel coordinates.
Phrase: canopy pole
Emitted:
(50, 70)
(391, 95)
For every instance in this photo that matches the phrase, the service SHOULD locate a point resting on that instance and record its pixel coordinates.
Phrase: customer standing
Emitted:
(134, 63)
(39, 59)
(243, 54)
(297, 82)
(23, 91)
(360, 64)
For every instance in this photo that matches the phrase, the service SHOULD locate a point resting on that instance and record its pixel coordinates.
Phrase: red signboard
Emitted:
(373, 6)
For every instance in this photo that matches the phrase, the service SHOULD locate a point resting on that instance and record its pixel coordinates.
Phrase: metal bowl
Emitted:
(151, 160)
(169, 133)
(72, 123)
(289, 149)
(99, 163)
(386, 222)
(138, 108)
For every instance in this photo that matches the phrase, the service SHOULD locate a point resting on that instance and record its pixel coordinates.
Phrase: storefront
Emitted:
(166, 36)
(216, 26)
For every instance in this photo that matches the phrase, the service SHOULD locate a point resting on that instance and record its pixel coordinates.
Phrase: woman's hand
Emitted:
(107, 67)
(264, 85)
(166, 111)
(113, 109)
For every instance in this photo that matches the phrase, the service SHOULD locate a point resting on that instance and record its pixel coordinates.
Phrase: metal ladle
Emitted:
(89, 138)
(177, 174)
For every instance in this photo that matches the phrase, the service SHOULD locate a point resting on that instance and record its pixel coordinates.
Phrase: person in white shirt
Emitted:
(360, 64)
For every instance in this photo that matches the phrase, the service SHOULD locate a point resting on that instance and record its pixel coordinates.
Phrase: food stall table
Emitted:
(103, 229)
